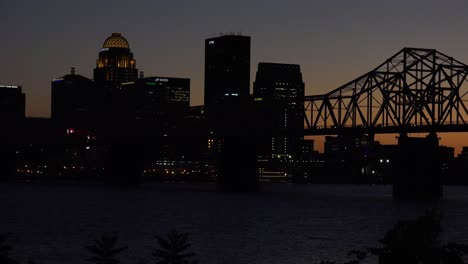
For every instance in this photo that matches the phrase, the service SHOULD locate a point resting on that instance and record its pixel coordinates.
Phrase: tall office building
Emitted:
(227, 71)
(12, 103)
(12, 113)
(157, 98)
(228, 112)
(73, 101)
(279, 91)
(115, 64)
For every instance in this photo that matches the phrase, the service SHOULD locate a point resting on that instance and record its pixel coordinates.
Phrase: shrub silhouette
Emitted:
(413, 242)
(174, 248)
(417, 241)
(105, 250)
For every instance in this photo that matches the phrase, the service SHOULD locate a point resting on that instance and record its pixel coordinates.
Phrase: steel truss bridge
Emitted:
(416, 90)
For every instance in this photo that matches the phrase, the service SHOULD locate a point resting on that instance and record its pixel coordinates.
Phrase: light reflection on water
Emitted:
(280, 224)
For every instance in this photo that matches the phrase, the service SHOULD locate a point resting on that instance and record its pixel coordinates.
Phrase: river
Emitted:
(283, 223)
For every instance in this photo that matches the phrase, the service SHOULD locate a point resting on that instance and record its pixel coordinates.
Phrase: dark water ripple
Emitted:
(282, 224)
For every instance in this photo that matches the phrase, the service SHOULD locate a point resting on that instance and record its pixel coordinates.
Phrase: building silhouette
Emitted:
(279, 94)
(115, 64)
(12, 103)
(229, 112)
(227, 71)
(157, 98)
(279, 88)
(73, 101)
(418, 170)
(12, 115)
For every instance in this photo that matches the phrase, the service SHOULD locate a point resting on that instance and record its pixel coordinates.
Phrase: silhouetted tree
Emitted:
(105, 250)
(174, 248)
(417, 242)
(5, 251)
(413, 242)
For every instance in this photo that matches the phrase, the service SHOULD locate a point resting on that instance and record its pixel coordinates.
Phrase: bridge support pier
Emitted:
(417, 168)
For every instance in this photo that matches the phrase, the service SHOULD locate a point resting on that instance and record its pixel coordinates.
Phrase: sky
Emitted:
(334, 41)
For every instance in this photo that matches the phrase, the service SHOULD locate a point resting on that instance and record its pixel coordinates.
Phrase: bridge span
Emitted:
(416, 90)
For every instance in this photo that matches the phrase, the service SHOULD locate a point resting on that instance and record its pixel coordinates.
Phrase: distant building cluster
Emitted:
(122, 126)
(117, 92)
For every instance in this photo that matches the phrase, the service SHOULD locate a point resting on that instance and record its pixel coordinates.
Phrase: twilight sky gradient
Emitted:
(333, 41)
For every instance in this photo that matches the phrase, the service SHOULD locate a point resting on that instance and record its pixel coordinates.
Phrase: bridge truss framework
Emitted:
(416, 90)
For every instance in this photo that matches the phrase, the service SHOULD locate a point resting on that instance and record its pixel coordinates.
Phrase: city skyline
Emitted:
(334, 42)
(247, 131)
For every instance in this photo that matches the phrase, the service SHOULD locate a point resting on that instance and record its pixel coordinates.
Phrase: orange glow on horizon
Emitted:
(456, 140)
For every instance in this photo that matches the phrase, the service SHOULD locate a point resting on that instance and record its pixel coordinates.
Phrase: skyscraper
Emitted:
(158, 98)
(115, 64)
(228, 112)
(12, 109)
(279, 90)
(73, 100)
(227, 70)
(12, 103)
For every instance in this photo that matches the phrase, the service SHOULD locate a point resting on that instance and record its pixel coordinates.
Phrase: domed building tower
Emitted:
(115, 64)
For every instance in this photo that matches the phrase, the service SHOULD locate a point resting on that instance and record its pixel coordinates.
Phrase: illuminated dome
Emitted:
(116, 41)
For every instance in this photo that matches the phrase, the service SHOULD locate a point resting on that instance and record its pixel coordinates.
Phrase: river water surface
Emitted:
(281, 224)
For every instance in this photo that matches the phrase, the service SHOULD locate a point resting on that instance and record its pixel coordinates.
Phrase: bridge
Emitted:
(416, 90)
